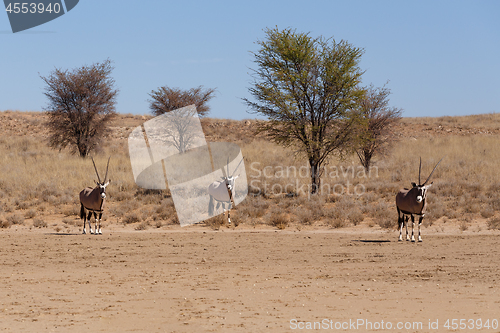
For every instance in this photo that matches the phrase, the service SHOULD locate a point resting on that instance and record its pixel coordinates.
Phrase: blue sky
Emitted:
(440, 57)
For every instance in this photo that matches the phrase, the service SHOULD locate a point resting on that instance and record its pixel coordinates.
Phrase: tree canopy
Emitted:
(81, 104)
(377, 133)
(166, 99)
(308, 89)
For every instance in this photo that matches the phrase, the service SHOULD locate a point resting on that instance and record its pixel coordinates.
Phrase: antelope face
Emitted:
(102, 189)
(421, 191)
(230, 182)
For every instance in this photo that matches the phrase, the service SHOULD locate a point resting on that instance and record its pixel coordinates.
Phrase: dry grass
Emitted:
(39, 223)
(15, 218)
(279, 220)
(494, 223)
(216, 222)
(132, 217)
(37, 181)
(4, 223)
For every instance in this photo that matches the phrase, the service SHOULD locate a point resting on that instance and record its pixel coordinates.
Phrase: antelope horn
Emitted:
(432, 172)
(223, 172)
(98, 178)
(106, 177)
(228, 168)
(419, 170)
(237, 167)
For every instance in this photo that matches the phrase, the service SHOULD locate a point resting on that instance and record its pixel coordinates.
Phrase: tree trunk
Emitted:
(315, 176)
(365, 158)
(368, 159)
(82, 150)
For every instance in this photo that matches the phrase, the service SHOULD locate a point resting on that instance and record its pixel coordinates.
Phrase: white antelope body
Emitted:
(411, 202)
(222, 191)
(92, 199)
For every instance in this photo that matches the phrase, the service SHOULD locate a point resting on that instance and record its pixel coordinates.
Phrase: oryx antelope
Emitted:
(411, 202)
(222, 191)
(92, 199)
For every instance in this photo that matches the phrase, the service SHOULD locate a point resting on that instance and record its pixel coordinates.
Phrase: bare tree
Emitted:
(379, 121)
(81, 104)
(182, 128)
(308, 88)
(167, 99)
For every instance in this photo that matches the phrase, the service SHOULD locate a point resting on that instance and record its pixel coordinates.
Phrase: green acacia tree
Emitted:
(380, 118)
(309, 90)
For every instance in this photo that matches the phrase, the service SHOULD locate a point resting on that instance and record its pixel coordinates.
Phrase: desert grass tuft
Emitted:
(30, 214)
(39, 223)
(131, 217)
(15, 218)
(494, 223)
(142, 226)
(4, 224)
(216, 222)
(279, 220)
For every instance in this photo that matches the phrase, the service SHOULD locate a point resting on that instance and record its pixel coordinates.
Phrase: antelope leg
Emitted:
(419, 224)
(407, 234)
(100, 231)
(88, 220)
(84, 221)
(400, 222)
(412, 228)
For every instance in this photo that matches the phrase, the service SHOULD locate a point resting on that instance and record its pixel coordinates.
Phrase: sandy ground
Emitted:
(195, 279)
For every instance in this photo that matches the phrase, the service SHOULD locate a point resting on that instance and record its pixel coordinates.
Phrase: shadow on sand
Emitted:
(372, 240)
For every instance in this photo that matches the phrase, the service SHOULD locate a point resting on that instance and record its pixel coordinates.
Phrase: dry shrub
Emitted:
(345, 210)
(487, 212)
(124, 207)
(435, 208)
(472, 207)
(4, 223)
(30, 214)
(46, 190)
(304, 216)
(21, 204)
(8, 208)
(387, 223)
(166, 210)
(494, 223)
(463, 225)
(15, 218)
(142, 226)
(254, 207)
(279, 220)
(216, 222)
(72, 221)
(70, 210)
(148, 196)
(336, 215)
(122, 196)
(316, 207)
(288, 201)
(380, 211)
(39, 223)
(355, 216)
(131, 217)
(452, 214)
(369, 197)
(339, 223)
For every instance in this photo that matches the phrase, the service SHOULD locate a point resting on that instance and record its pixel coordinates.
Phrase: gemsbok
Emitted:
(92, 199)
(222, 191)
(411, 202)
